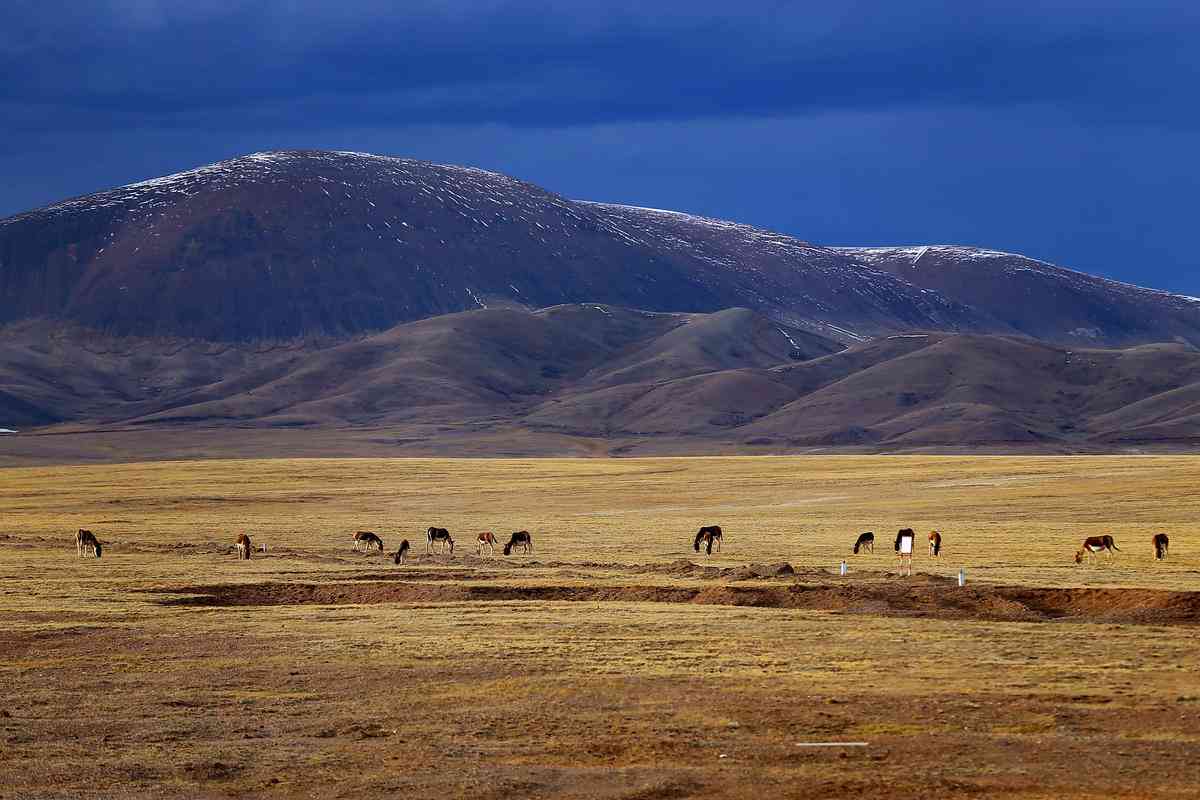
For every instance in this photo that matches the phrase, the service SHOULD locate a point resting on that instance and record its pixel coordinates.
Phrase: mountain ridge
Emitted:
(610, 380)
(282, 244)
(453, 310)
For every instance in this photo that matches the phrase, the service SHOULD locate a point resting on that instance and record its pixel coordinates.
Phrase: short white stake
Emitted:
(962, 577)
(844, 569)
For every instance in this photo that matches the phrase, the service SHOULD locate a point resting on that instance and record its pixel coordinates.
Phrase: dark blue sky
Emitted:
(1065, 130)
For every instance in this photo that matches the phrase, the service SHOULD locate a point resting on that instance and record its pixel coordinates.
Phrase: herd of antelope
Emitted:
(439, 540)
(1093, 546)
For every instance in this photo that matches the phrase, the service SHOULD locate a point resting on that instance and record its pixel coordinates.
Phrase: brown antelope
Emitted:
(865, 542)
(935, 544)
(401, 554)
(710, 535)
(1161, 544)
(519, 539)
(365, 540)
(86, 540)
(440, 537)
(244, 547)
(486, 539)
(1096, 544)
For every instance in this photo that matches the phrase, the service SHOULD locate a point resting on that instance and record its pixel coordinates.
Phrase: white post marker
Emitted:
(844, 569)
(962, 577)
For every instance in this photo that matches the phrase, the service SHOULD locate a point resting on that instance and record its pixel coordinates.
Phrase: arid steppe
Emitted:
(613, 661)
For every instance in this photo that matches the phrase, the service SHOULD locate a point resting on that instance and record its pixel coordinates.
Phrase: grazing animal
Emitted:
(709, 534)
(365, 540)
(935, 543)
(401, 554)
(441, 537)
(519, 539)
(1161, 544)
(866, 542)
(244, 547)
(902, 534)
(905, 542)
(1096, 544)
(87, 540)
(486, 539)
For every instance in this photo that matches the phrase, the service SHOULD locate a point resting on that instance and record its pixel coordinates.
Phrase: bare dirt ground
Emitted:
(614, 661)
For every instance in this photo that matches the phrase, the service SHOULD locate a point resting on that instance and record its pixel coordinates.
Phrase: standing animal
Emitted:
(935, 543)
(401, 554)
(244, 547)
(1096, 544)
(1161, 544)
(866, 542)
(519, 539)
(441, 537)
(486, 539)
(709, 534)
(365, 540)
(906, 542)
(86, 540)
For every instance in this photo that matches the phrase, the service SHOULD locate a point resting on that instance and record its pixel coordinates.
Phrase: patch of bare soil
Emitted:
(923, 596)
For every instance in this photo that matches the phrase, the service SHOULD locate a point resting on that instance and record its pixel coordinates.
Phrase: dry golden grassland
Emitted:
(169, 668)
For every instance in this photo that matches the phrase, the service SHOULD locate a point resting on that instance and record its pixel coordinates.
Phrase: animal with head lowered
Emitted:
(520, 539)
(902, 534)
(1162, 543)
(86, 540)
(243, 547)
(865, 543)
(439, 537)
(935, 544)
(486, 539)
(708, 536)
(365, 540)
(401, 554)
(1094, 545)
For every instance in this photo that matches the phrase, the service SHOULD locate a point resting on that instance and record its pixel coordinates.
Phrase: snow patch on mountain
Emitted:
(1010, 263)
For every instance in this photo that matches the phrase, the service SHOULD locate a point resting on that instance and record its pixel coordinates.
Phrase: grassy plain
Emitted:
(131, 676)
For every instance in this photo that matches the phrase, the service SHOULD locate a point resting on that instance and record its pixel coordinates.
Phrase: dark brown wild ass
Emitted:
(440, 537)
(709, 535)
(1162, 543)
(365, 540)
(520, 539)
(86, 540)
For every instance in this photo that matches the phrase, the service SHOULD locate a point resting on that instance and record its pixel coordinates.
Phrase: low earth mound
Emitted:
(924, 596)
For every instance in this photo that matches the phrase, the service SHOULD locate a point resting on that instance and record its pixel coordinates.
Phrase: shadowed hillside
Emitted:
(615, 378)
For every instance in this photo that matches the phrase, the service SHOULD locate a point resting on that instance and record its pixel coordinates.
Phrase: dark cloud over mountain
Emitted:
(1062, 129)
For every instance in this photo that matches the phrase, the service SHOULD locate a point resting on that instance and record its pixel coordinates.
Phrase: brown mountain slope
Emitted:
(914, 391)
(611, 376)
(479, 365)
(1040, 299)
(273, 246)
(276, 245)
